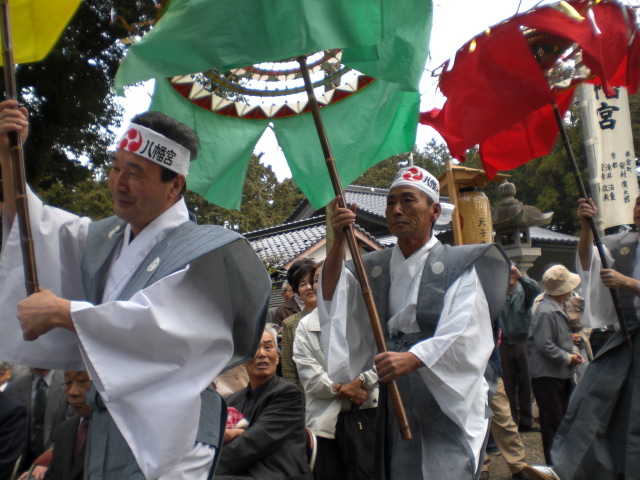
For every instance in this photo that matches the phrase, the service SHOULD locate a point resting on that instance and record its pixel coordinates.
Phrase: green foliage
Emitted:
(286, 198)
(89, 197)
(69, 95)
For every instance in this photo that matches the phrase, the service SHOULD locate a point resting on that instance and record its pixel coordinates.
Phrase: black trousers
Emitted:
(517, 384)
(350, 455)
(552, 396)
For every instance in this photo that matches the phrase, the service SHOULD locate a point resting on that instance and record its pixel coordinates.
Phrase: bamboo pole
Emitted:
(17, 158)
(376, 326)
(592, 224)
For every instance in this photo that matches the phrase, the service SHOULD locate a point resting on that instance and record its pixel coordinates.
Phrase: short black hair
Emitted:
(173, 130)
(299, 270)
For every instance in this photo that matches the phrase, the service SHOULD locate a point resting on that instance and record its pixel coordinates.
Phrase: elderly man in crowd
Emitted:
(69, 442)
(515, 320)
(157, 304)
(273, 445)
(436, 304)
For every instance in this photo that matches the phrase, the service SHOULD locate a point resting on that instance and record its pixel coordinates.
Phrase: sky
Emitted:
(454, 23)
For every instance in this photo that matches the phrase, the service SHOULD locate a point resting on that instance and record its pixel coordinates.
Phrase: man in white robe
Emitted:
(599, 434)
(154, 315)
(439, 373)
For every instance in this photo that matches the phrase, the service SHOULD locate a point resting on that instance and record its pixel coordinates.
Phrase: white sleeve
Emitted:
(456, 357)
(313, 375)
(155, 353)
(463, 341)
(598, 308)
(58, 239)
(347, 338)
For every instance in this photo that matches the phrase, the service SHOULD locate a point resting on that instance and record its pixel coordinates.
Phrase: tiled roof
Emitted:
(369, 199)
(538, 233)
(387, 240)
(288, 241)
(281, 244)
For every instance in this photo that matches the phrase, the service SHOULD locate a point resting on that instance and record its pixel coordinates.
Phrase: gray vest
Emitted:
(108, 455)
(438, 444)
(623, 248)
(444, 265)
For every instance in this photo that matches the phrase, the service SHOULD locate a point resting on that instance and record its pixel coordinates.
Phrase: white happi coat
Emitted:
(456, 356)
(150, 356)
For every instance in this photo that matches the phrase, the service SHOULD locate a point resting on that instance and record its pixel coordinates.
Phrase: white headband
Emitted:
(419, 178)
(155, 147)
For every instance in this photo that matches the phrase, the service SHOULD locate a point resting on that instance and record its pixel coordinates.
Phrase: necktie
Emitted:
(81, 437)
(39, 408)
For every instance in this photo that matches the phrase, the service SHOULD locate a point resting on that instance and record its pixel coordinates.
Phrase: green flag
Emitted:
(226, 145)
(377, 122)
(196, 35)
(385, 39)
(402, 52)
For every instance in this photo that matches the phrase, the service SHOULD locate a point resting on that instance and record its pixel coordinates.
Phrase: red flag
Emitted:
(633, 68)
(493, 83)
(532, 137)
(497, 95)
(603, 35)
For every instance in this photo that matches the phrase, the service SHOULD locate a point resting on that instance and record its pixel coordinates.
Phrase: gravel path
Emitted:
(498, 469)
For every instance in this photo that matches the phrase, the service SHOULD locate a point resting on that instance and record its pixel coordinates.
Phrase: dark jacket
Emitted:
(515, 318)
(284, 311)
(13, 433)
(274, 445)
(63, 464)
(57, 410)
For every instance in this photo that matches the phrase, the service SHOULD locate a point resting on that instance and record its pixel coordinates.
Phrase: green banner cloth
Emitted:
(385, 39)
(196, 35)
(363, 129)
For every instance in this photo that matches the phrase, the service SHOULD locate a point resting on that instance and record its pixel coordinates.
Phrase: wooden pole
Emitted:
(453, 196)
(17, 158)
(376, 326)
(592, 224)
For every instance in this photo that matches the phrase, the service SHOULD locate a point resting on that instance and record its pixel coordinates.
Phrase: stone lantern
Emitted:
(512, 221)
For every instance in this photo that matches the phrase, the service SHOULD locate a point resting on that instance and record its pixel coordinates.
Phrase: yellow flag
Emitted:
(36, 26)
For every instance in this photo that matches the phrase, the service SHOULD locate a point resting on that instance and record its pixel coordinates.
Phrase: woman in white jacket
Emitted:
(341, 416)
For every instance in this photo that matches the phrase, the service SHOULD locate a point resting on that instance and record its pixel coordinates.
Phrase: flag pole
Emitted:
(376, 326)
(17, 158)
(592, 224)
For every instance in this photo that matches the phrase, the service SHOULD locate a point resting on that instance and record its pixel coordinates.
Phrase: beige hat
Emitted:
(558, 280)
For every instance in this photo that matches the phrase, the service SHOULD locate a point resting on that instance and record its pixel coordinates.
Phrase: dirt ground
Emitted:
(498, 469)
